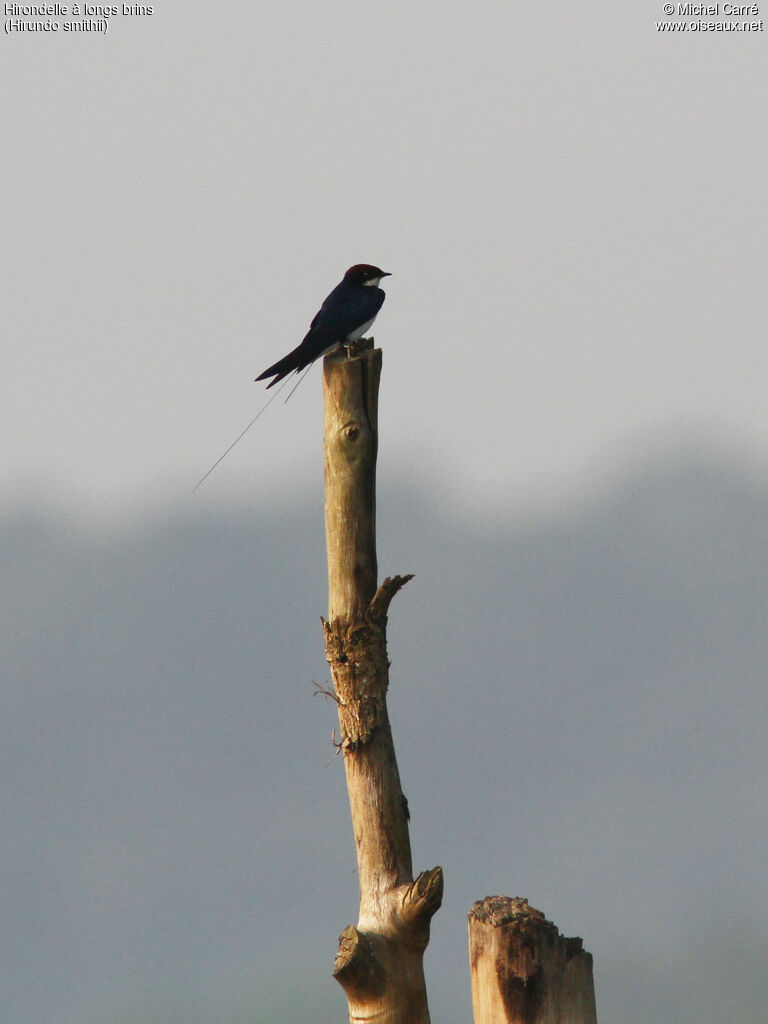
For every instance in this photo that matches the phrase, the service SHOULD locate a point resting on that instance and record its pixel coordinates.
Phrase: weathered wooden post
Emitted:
(379, 962)
(523, 971)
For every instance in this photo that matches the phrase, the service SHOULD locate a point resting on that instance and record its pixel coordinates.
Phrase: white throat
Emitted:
(373, 283)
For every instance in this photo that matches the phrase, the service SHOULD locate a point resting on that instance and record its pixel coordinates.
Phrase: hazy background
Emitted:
(573, 461)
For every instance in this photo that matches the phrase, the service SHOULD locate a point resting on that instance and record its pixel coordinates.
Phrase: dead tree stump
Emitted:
(523, 971)
(380, 961)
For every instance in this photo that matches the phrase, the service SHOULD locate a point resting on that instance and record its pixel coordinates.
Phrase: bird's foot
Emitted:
(354, 348)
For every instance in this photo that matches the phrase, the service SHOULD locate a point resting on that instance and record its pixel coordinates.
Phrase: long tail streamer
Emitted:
(243, 432)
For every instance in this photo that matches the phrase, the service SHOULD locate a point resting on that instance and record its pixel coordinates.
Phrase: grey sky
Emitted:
(572, 205)
(571, 202)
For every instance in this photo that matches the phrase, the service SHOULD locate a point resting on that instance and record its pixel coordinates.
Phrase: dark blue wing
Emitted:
(344, 310)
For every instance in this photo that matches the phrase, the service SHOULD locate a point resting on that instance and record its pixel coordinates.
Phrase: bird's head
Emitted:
(364, 273)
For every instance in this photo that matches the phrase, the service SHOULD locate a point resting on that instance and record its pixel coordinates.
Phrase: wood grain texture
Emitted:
(523, 971)
(379, 962)
(351, 392)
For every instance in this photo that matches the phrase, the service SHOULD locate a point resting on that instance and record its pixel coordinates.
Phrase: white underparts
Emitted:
(360, 331)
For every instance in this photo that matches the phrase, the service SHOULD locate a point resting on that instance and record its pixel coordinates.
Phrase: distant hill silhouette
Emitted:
(579, 708)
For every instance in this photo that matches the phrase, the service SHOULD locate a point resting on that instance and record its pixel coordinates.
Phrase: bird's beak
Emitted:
(386, 274)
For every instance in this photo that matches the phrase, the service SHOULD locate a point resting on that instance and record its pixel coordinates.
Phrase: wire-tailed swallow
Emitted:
(345, 315)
